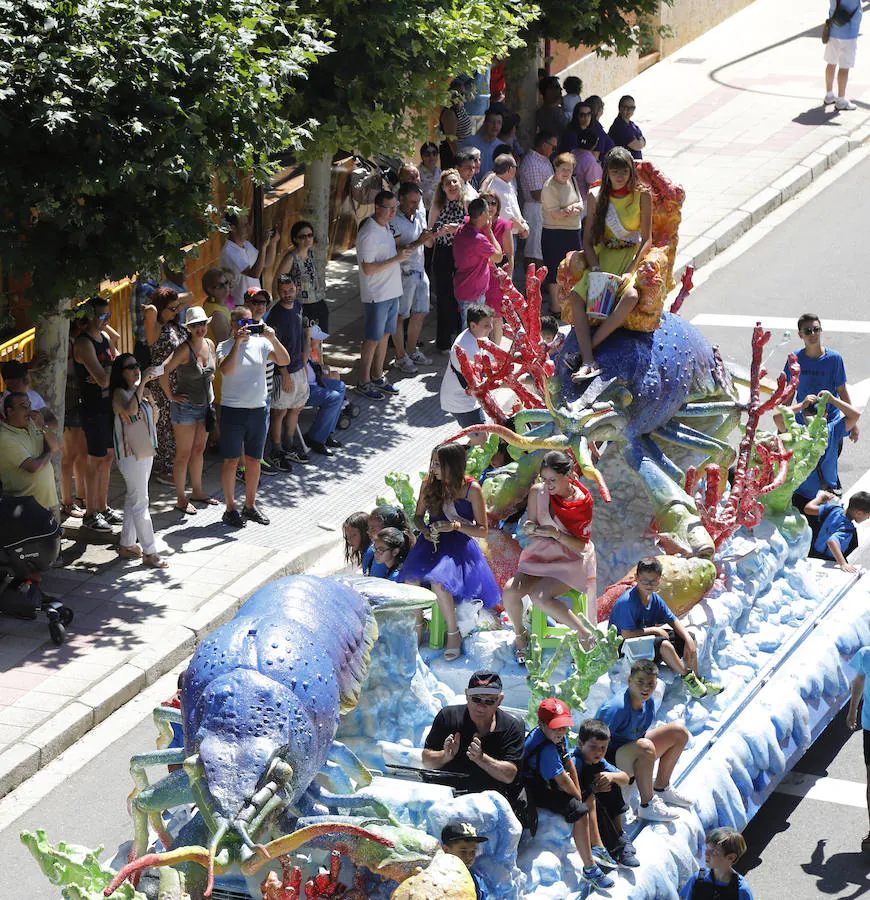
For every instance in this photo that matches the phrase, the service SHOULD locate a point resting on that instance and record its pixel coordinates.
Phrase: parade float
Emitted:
(303, 717)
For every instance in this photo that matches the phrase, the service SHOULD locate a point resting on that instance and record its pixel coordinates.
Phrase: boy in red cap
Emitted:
(551, 783)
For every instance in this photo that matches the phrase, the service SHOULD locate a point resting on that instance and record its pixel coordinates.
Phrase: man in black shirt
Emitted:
(479, 740)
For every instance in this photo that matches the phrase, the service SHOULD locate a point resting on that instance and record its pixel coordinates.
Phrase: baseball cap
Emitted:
(460, 831)
(484, 682)
(317, 333)
(252, 292)
(555, 713)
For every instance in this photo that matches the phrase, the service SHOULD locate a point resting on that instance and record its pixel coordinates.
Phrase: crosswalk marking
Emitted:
(780, 323)
(819, 787)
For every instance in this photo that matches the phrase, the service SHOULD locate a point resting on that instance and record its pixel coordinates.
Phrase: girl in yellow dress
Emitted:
(616, 237)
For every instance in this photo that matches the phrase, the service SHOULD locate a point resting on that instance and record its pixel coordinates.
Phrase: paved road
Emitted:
(81, 795)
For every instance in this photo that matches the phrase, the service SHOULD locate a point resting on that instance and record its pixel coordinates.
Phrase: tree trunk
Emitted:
(48, 375)
(522, 81)
(318, 180)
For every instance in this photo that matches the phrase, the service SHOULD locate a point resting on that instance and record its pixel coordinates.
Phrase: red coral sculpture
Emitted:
(320, 887)
(527, 355)
(685, 290)
(743, 506)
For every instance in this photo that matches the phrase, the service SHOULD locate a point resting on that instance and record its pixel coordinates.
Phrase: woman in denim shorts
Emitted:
(193, 363)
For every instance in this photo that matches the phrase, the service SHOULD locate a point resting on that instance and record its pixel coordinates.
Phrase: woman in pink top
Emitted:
(501, 229)
(474, 248)
(587, 171)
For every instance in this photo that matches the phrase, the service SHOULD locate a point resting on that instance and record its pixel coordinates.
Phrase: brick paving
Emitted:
(735, 117)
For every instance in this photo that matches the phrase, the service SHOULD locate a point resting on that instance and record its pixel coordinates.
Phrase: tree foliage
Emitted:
(393, 62)
(117, 116)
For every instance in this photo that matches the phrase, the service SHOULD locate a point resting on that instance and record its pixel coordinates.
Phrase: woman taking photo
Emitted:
(447, 558)
(501, 229)
(560, 557)
(299, 264)
(616, 238)
(447, 215)
(135, 435)
(163, 333)
(562, 208)
(193, 364)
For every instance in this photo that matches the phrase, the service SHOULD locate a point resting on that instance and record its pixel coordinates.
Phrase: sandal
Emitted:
(207, 500)
(189, 510)
(452, 653)
(153, 561)
(586, 372)
(134, 551)
(520, 652)
(72, 511)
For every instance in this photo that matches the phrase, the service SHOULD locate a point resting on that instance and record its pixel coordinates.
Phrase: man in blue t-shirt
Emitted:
(837, 536)
(635, 745)
(822, 369)
(641, 612)
(861, 687)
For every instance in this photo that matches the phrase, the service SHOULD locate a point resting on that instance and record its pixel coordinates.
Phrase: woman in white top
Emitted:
(562, 208)
(135, 443)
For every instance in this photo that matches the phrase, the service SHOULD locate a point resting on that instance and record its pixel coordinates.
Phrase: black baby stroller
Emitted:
(29, 544)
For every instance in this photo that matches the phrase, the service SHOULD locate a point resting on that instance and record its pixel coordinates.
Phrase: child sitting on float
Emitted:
(391, 547)
(560, 557)
(447, 558)
(357, 543)
(617, 235)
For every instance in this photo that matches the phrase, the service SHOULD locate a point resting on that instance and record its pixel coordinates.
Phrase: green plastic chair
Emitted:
(551, 635)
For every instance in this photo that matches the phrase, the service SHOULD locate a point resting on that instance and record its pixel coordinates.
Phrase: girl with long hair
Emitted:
(560, 557)
(391, 548)
(135, 437)
(356, 538)
(446, 214)
(616, 238)
(450, 514)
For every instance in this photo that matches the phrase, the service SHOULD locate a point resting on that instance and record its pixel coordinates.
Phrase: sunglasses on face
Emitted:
(258, 302)
(243, 323)
(491, 203)
(305, 236)
(484, 701)
(815, 329)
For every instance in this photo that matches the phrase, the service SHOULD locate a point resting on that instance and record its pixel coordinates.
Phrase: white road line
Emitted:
(781, 323)
(828, 790)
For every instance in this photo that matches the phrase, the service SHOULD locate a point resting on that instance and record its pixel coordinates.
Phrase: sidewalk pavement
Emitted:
(735, 117)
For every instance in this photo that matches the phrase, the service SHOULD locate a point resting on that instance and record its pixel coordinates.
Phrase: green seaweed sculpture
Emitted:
(589, 666)
(400, 482)
(76, 870)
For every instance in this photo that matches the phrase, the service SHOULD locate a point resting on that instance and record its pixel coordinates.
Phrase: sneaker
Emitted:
(596, 877)
(656, 811)
(113, 516)
(255, 515)
(267, 469)
(296, 456)
(693, 686)
(240, 474)
(673, 797)
(279, 463)
(168, 480)
(419, 358)
(603, 858)
(332, 443)
(367, 389)
(381, 384)
(626, 856)
(322, 449)
(405, 365)
(713, 687)
(829, 98)
(96, 522)
(233, 517)
(844, 104)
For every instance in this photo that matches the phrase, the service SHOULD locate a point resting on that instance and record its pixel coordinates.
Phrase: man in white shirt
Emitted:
(504, 171)
(412, 234)
(465, 165)
(454, 398)
(536, 168)
(380, 287)
(244, 260)
(242, 360)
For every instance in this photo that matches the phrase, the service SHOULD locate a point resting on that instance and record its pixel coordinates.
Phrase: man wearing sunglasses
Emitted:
(822, 369)
(478, 740)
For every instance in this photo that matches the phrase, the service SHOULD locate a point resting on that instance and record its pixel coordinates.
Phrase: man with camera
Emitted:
(243, 258)
(242, 360)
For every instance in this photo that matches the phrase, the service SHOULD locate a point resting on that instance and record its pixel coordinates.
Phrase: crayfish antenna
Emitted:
(212, 852)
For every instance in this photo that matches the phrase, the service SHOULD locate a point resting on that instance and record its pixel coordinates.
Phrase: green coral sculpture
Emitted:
(400, 482)
(589, 666)
(76, 870)
(480, 457)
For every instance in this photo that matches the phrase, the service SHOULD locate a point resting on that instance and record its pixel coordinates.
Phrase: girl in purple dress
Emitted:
(447, 558)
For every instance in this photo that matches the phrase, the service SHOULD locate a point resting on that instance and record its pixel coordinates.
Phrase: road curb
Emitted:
(47, 741)
(729, 229)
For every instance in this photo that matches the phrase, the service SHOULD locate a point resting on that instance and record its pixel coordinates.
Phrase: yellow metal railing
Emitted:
(21, 347)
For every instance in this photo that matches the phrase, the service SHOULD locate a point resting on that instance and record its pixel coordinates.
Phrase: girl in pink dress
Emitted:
(560, 557)
(501, 229)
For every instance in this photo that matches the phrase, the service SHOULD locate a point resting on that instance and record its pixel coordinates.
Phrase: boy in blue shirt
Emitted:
(461, 839)
(640, 612)
(635, 745)
(723, 847)
(861, 686)
(551, 783)
(837, 536)
(599, 777)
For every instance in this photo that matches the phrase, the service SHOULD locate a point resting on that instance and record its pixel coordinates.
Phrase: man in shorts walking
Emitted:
(380, 286)
(840, 51)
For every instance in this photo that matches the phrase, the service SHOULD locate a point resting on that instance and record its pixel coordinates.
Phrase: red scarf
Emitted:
(621, 192)
(574, 513)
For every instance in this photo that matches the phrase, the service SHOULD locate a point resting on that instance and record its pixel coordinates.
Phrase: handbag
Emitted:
(826, 31)
(840, 18)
